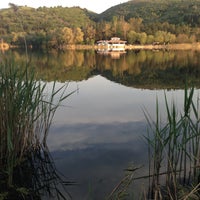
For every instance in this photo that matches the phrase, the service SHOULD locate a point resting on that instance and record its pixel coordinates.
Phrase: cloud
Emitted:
(85, 135)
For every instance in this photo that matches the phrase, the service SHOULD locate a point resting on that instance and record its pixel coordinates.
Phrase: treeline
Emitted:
(136, 32)
(57, 27)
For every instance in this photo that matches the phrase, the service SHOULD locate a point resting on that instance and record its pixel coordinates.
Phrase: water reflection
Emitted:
(35, 178)
(100, 133)
(112, 54)
(96, 155)
(141, 69)
(102, 101)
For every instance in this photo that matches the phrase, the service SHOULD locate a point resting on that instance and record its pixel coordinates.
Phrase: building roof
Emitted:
(113, 40)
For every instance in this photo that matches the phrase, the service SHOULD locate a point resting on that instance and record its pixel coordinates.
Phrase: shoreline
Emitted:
(182, 46)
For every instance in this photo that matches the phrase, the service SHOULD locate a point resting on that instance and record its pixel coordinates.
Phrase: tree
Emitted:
(124, 27)
(89, 34)
(169, 38)
(159, 37)
(182, 38)
(114, 24)
(78, 36)
(193, 38)
(67, 35)
(55, 39)
(18, 38)
(150, 39)
(142, 38)
(132, 37)
(106, 30)
(164, 37)
(135, 24)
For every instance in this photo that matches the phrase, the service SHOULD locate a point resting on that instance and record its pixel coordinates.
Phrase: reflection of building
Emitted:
(114, 44)
(113, 54)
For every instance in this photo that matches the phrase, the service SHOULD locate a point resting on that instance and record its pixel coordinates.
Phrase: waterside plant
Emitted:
(174, 151)
(173, 140)
(26, 113)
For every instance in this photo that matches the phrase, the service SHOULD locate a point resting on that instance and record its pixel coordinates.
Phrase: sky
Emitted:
(97, 6)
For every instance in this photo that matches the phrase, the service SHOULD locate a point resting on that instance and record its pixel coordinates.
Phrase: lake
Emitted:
(98, 132)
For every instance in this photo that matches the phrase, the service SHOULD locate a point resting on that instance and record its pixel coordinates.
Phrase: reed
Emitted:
(26, 113)
(174, 150)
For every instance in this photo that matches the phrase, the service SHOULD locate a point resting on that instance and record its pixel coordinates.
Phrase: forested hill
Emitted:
(137, 21)
(171, 11)
(44, 17)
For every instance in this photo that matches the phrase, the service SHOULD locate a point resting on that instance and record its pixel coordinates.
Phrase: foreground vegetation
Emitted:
(174, 155)
(26, 113)
(138, 22)
(174, 151)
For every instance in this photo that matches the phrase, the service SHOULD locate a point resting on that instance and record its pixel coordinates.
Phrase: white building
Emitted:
(114, 44)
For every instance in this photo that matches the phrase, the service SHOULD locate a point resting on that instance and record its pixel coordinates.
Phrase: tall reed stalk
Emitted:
(26, 113)
(174, 150)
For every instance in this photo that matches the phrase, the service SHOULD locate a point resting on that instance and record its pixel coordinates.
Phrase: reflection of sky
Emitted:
(99, 100)
(99, 132)
(81, 136)
(95, 155)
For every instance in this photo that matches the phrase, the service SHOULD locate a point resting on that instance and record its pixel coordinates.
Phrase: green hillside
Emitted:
(52, 17)
(171, 11)
(44, 26)
(137, 21)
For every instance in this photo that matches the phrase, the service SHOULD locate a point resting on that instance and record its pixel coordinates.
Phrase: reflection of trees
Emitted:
(135, 68)
(158, 69)
(79, 58)
(35, 178)
(61, 66)
(68, 59)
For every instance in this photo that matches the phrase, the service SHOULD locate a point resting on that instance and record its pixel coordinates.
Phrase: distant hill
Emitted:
(43, 16)
(137, 21)
(172, 11)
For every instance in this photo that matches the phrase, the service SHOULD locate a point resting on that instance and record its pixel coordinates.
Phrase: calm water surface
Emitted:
(99, 131)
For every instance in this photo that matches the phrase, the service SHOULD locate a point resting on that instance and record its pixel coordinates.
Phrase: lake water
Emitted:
(98, 132)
